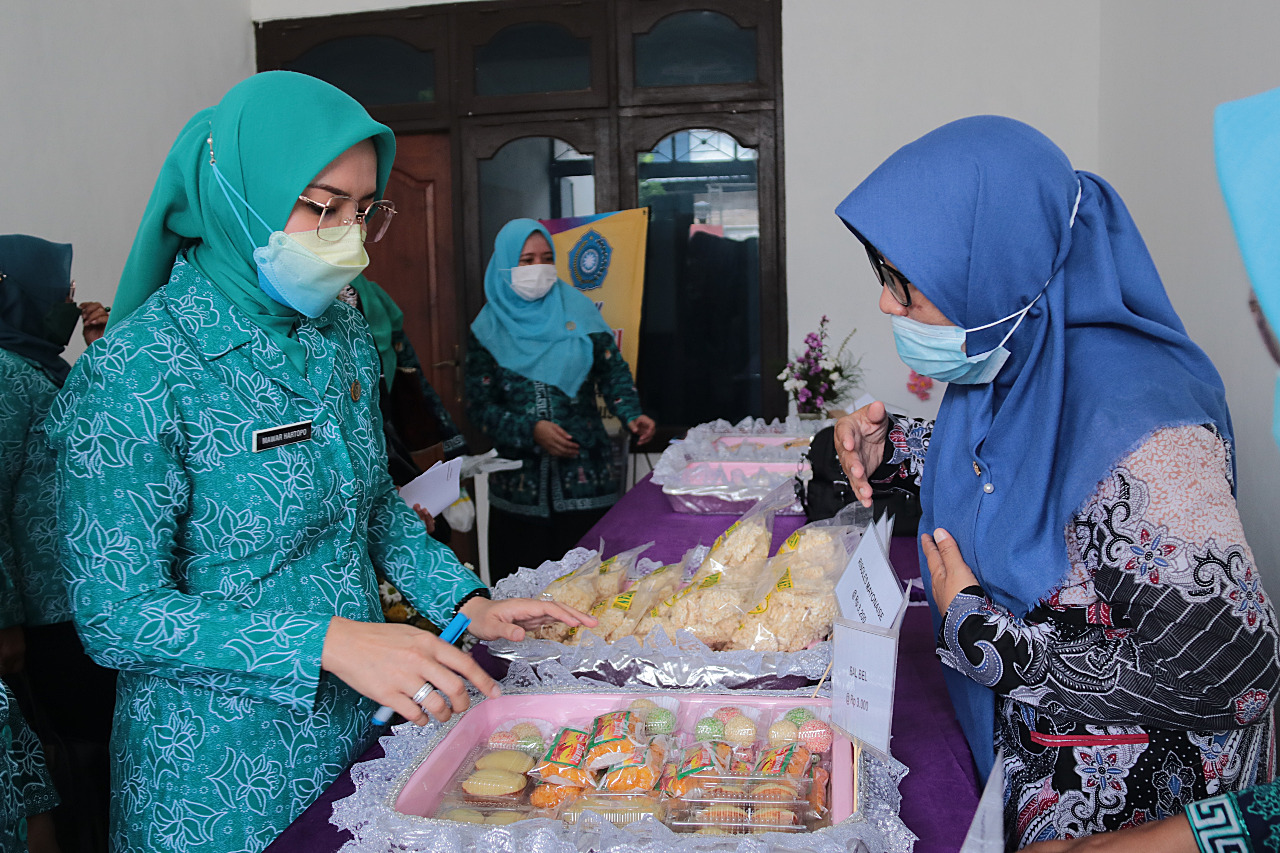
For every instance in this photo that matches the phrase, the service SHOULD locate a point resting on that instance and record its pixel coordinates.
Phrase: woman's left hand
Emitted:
(427, 518)
(948, 571)
(643, 428)
(95, 321)
(508, 619)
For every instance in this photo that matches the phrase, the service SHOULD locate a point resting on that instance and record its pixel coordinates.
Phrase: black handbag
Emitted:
(828, 491)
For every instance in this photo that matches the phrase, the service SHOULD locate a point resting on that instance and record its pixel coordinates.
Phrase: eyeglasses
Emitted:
(889, 277)
(1268, 334)
(340, 212)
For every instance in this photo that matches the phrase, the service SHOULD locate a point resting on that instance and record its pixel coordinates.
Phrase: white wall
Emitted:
(862, 78)
(1165, 67)
(94, 94)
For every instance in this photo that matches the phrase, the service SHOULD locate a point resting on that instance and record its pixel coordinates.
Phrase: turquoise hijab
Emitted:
(1246, 135)
(271, 135)
(545, 340)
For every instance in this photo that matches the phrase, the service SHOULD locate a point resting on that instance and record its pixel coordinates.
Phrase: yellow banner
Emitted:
(603, 256)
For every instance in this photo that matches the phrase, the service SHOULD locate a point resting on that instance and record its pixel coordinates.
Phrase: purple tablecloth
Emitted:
(940, 793)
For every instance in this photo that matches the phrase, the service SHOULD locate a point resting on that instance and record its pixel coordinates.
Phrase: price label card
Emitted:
(869, 591)
(863, 672)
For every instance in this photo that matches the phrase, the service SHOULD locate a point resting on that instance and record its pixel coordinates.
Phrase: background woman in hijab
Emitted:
(1247, 142)
(1101, 617)
(230, 578)
(70, 699)
(539, 352)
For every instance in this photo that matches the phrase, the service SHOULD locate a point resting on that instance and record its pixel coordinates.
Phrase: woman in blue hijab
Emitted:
(539, 353)
(1247, 139)
(1099, 611)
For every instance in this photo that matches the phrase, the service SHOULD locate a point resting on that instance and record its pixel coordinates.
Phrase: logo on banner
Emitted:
(589, 261)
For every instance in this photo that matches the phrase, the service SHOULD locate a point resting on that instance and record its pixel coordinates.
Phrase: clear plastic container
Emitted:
(618, 809)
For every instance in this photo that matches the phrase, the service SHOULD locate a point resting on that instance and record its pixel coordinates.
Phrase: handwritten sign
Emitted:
(865, 644)
(869, 591)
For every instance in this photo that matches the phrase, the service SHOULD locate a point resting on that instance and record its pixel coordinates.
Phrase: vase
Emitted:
(809, 416)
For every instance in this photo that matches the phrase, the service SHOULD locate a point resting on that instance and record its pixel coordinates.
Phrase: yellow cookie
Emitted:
(463, 816)
(494, 783)
(512, 760)
(504, 818)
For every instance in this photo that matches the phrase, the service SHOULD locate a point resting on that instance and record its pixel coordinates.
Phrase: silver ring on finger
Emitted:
(424, 691)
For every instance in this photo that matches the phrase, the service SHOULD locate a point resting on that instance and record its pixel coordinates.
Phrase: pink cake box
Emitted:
(423, 792)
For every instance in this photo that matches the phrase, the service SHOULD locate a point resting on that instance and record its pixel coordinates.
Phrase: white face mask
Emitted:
(532, 281)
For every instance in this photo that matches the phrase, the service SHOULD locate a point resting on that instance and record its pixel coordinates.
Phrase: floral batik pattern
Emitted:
(1152, 668)
(1146, 681)
(32, 591)
(506, 406)
(904, 453)
(25, 786)
(208, 572)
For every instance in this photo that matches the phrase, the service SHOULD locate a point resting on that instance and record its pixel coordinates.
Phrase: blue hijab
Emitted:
(545, 340)
(978, 215)
(37, 274)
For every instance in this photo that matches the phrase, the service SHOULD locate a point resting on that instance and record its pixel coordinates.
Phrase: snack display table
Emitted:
(940, 792)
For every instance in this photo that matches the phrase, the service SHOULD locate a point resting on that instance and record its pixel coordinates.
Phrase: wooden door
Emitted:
(414, 262)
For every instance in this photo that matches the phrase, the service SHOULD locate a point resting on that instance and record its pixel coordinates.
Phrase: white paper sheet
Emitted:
(435, 489)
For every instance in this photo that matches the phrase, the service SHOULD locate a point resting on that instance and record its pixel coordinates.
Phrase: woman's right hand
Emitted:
(389, 663)
(552, 438)
(859, 442)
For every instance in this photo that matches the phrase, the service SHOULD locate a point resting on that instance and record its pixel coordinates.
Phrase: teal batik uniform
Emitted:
(31, 587)
(25, 786)
(506, 406)
(207, 573)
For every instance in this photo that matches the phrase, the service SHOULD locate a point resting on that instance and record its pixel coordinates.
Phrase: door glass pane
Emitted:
(693, 48)
(700, 338)
(538, 177)
(373, 69)
(528, 58)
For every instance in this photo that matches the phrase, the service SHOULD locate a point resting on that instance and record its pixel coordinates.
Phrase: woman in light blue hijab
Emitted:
(539, 354)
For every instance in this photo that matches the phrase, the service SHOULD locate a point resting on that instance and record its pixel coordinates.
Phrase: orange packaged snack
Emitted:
(818, 790)
(789, 760)
(614, 737)
(640, 772)
(708, 759)
(548, 796)
(565, 761)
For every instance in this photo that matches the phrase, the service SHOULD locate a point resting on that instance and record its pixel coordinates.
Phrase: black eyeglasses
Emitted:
(889, 277)
(1268, 334)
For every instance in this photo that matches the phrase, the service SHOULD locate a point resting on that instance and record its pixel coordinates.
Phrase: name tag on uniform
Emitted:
(267, 439)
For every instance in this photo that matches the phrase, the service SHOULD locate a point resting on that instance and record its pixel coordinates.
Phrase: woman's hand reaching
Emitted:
(390, 662)
(859, 441)
(508, 619)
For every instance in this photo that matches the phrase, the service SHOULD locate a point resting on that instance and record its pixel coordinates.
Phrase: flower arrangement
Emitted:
(816, 379)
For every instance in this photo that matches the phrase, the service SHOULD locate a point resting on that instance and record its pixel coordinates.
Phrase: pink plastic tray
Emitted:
(422, 792)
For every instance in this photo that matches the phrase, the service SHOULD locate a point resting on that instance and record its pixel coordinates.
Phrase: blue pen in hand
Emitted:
(450, 636)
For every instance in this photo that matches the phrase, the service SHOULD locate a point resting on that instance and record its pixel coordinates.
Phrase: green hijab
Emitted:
(384, 318)
(271, 135)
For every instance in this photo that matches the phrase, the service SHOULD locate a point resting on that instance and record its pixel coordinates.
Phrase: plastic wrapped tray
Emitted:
(729, 486)
(429, 789)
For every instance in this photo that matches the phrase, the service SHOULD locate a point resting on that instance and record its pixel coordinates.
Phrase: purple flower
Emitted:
(803, 395)
(818, 402)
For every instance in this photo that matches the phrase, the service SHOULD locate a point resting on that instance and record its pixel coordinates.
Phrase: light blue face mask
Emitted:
(938, 351)
(289, 269)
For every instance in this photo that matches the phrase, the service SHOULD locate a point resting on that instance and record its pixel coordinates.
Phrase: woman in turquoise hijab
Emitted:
(1247, 143)
(224, 489)
(539, 353)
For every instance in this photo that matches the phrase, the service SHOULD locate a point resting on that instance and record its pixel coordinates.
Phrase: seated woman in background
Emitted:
(1100, 614)
(538, 355)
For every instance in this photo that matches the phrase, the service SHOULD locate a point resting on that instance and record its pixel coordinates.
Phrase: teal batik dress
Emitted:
(207, 571)
(1238, 822)
(506, 406)
(25, 787)
(31, 587)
